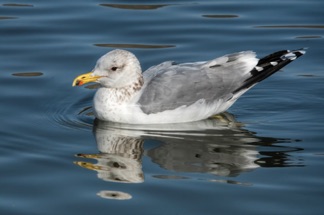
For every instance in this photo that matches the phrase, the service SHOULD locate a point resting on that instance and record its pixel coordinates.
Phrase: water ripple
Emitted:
(309, 37)
(291, 26)
(28, 74)
(116, 195)
(75, 115)
(7, 17)
(17, 5)
(222, 16)
(135, 6)
(143, 46)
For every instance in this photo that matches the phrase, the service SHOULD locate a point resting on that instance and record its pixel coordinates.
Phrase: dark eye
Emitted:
(114, 68)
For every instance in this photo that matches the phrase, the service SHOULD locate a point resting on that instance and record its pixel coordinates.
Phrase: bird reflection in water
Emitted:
(119, 160)
(217, 146)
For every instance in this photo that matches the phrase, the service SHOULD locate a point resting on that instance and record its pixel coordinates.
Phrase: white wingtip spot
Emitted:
(302, 51)
(289, 56)
(274, 63)
(258, 68)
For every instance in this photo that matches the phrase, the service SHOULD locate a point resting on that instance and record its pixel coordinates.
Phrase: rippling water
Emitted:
(264, 156)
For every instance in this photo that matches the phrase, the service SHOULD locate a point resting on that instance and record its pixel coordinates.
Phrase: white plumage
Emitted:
(174, 93)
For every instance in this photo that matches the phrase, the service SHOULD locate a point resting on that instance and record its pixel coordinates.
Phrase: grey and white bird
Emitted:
(174, 93)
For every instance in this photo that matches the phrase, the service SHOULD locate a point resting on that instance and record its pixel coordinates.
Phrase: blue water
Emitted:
(264, 156)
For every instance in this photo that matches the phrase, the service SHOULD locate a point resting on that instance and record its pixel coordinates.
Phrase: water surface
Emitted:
(264, 156)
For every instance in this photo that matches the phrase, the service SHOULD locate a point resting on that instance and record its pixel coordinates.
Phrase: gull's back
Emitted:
(173, 85)
(169, 85)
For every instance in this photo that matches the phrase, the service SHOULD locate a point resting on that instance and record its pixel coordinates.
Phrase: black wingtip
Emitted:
(300, 52)
(294, 54)
(270, 65)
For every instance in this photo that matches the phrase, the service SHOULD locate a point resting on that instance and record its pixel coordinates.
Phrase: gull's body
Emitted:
(173, 93)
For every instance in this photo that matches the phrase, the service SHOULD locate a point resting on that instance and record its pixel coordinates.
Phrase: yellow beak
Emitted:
(84, 78)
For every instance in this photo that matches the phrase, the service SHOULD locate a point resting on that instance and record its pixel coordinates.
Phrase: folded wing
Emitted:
(184, 84)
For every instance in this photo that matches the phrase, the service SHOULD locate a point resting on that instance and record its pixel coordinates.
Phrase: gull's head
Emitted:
(116, 69)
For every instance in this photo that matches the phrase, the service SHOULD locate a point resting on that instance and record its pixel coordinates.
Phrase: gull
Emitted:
(176, 93)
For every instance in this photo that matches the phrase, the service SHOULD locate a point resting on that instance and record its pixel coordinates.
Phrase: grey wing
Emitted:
(184, 84)
(157, 69)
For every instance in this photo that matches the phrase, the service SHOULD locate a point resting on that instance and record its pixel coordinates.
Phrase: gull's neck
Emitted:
(124, 93)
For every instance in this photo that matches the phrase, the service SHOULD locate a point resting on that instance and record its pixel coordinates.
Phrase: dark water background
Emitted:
(265, 156)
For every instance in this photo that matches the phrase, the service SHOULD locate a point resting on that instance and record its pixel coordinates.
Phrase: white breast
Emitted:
(112, 106)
